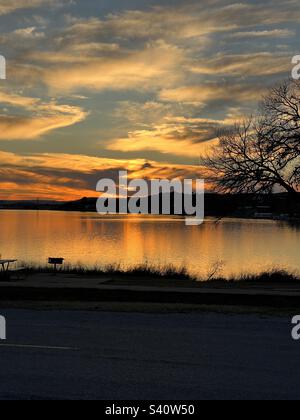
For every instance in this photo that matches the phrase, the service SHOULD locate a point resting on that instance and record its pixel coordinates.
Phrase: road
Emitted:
(121, 356)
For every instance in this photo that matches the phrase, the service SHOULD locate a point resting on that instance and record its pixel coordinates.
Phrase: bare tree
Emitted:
(263, 152)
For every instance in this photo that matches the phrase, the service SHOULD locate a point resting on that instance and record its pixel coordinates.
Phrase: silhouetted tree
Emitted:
(263, 152)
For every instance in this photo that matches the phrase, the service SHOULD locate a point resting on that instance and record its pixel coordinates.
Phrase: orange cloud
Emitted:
(70, 177)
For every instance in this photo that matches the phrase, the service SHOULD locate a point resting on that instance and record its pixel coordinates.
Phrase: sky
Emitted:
(94, 86)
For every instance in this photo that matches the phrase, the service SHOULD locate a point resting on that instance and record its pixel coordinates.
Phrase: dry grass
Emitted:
(146, 271)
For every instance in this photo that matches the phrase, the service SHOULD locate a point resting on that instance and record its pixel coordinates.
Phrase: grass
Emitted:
(171, 273)
(145, 271)
(275, 276)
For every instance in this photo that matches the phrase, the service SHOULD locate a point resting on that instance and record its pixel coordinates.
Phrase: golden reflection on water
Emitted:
(90, 239)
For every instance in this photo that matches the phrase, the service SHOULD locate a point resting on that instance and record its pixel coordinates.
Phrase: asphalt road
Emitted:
(121, 356)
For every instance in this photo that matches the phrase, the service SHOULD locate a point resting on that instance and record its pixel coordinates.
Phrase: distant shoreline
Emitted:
(275, 217)
(280, 207)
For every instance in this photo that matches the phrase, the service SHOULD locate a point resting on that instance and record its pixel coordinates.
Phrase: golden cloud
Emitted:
(180, 137)
(256, 64)
(43, 118)
(153, 66)
(202, 94)
(192, 20)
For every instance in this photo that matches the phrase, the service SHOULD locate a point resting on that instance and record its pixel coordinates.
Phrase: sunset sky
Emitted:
(95, 86)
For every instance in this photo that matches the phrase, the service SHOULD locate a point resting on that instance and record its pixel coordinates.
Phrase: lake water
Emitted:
(90, 239)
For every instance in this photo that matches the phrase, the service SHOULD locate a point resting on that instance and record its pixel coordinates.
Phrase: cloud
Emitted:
(201, 95)
(184, 22)
(275, 33)
(69, 177)
(43, 117)
(28, 33)
(143, 114)
(176, 136)
(153, 48)
(147, 50)
(9, 6)
(17, 100)
(246, 65)
(153, 66)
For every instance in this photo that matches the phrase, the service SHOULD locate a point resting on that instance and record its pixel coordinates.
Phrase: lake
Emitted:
(91, 239)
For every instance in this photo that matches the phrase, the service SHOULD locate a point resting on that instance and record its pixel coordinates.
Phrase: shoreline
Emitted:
(212, 217)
